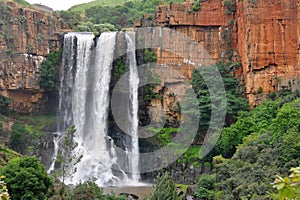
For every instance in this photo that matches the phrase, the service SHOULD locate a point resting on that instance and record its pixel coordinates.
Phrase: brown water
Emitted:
(141, 191)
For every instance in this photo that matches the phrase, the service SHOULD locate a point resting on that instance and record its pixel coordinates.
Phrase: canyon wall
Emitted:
(262, 35)
(268, 43)
(27, 36)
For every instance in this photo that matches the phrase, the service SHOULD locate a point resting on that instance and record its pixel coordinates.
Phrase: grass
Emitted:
(85, 6)
(35, 125)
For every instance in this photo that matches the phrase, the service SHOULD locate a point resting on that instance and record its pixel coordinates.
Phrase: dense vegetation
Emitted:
(267, 143)
(236, 100)
(254, 149)
(121, 14)
(27, 130)
(26, 178)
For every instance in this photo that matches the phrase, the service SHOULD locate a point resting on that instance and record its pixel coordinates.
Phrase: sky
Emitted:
(58, 4)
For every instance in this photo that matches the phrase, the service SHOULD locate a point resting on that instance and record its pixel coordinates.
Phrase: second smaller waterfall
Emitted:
(134, 105)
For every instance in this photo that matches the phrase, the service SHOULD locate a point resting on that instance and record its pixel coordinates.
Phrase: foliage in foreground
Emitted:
(27, 179)
(272, 148)
(4, 195)
(288, 187)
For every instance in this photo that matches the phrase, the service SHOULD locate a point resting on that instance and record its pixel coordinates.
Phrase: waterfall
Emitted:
(84, 102)
(56, 138)
(133, 156)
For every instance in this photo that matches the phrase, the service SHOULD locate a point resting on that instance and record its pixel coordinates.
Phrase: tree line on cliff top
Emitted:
(121, 14)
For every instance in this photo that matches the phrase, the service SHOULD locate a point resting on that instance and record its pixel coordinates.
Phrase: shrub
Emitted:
(197, 6)
(17, 137)
(149, 56)
(27, 179)
(164, 188)
(205, 189)
(86, 190)
(4, 103)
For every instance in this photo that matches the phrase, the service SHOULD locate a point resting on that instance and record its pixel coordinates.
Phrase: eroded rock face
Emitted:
(262, 35)
(268, 42)
(188, 39)
(26, 37)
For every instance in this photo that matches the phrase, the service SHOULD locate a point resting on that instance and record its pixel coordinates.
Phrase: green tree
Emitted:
(49, 70)
(90, 190)
(18, 138)
(234, 95)
(164, 189)
(271, 148)
(205, 189)
(86, 190)
(27, 179)
(66, 158)
(247, 122)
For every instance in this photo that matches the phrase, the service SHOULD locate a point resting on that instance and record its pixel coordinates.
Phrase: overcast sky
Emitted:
(59, 4)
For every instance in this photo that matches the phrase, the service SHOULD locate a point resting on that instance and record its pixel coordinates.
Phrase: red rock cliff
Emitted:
(263, 35)
(26, 37)
(268, 43)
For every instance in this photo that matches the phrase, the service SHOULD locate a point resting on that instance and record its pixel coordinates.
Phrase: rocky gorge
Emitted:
(265, 43)
(260, 37)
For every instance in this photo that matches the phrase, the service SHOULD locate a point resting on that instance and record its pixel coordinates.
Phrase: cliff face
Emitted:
(210, 27)
(26, 37)
(268, 42)
(262, 35)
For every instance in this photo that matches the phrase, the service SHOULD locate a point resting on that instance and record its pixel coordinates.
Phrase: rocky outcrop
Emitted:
(268, 42)
(210, 27)
(27, 36)
(262, 35)
(188, 39)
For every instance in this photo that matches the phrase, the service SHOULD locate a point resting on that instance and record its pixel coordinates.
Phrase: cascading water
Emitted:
(133, 112)
(56, 138)
(84, 102)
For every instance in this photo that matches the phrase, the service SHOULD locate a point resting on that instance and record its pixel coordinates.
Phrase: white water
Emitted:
(90, 111)
(56, 139)
(84, 102)
(133, 156)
